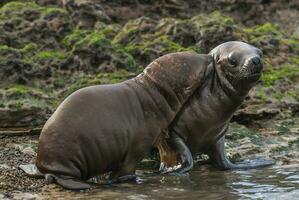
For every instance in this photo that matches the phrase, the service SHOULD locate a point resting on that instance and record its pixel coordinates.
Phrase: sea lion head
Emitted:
(239, 63)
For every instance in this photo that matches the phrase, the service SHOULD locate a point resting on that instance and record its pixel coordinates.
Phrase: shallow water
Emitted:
(280, 182)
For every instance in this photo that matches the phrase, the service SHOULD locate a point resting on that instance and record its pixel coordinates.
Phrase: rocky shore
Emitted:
(50, 48)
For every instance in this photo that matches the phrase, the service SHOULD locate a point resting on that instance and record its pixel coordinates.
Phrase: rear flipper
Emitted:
(68, 182)
(65, 181)
(219, 159)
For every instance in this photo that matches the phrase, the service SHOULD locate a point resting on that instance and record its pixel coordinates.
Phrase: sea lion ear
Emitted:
(215, 55)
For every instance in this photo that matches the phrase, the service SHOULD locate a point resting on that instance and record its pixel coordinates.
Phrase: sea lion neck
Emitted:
(178, 74)
(168, 95)
(230, 90)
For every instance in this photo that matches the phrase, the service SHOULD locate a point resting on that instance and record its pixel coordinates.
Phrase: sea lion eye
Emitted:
(232, 60)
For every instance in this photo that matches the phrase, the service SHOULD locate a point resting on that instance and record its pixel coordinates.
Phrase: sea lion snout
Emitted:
(255, 65)
(256, 60)
(239, 64)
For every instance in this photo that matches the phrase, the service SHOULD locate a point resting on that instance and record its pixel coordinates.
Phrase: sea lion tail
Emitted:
(31, 170)
(68, 182)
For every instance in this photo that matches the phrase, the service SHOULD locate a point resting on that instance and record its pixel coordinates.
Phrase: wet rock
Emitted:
(247, 115)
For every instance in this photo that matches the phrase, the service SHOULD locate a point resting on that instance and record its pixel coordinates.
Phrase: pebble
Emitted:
(24, 196)
(28, 151)
(4, 167)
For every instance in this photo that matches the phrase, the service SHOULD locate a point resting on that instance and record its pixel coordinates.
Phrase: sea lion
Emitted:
(201, 124)
(109, 128)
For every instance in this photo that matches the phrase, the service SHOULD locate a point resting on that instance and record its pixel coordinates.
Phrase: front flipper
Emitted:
(186, 160)
(219, 159)
(121, 179)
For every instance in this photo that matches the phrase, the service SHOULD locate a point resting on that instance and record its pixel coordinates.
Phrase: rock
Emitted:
(4, 167)
(49, 2)
(26, 22)
(14, 146)
(95, 52)
(23, 106)
(22, 117)
(24, 196)
(296, 33)
(2, 196)
(29, 151)
(252, 112)
(85, 13)
(15, 69)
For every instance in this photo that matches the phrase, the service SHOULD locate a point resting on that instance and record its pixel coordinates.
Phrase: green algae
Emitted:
(48, 11)
(270, 36)
(17, 91)
(134, 31)
(75, 36)
(265, 29)
(289, 70)
(20, 96)
(236, 132)
(160, 45)
(30, 47)
(16, 9)
(96, 42)
(285, 126)
(100, 35)
(212, 19)
(96, 39)
(49, 55)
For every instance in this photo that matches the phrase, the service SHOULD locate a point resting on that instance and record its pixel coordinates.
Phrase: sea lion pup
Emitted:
(109, 128)
(204, 119)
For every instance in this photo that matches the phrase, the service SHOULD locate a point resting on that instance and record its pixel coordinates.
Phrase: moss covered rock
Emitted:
(22, 106)
(61, 46)
(96, 52)
(27, 65)
(271, 38)
(26, 22)
(203, 31)
(85, 14)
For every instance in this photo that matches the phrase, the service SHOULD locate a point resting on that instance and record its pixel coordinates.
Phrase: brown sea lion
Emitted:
(109, 128)
(202, 123)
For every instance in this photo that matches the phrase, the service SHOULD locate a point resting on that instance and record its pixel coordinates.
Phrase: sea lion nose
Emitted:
(256, 60)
